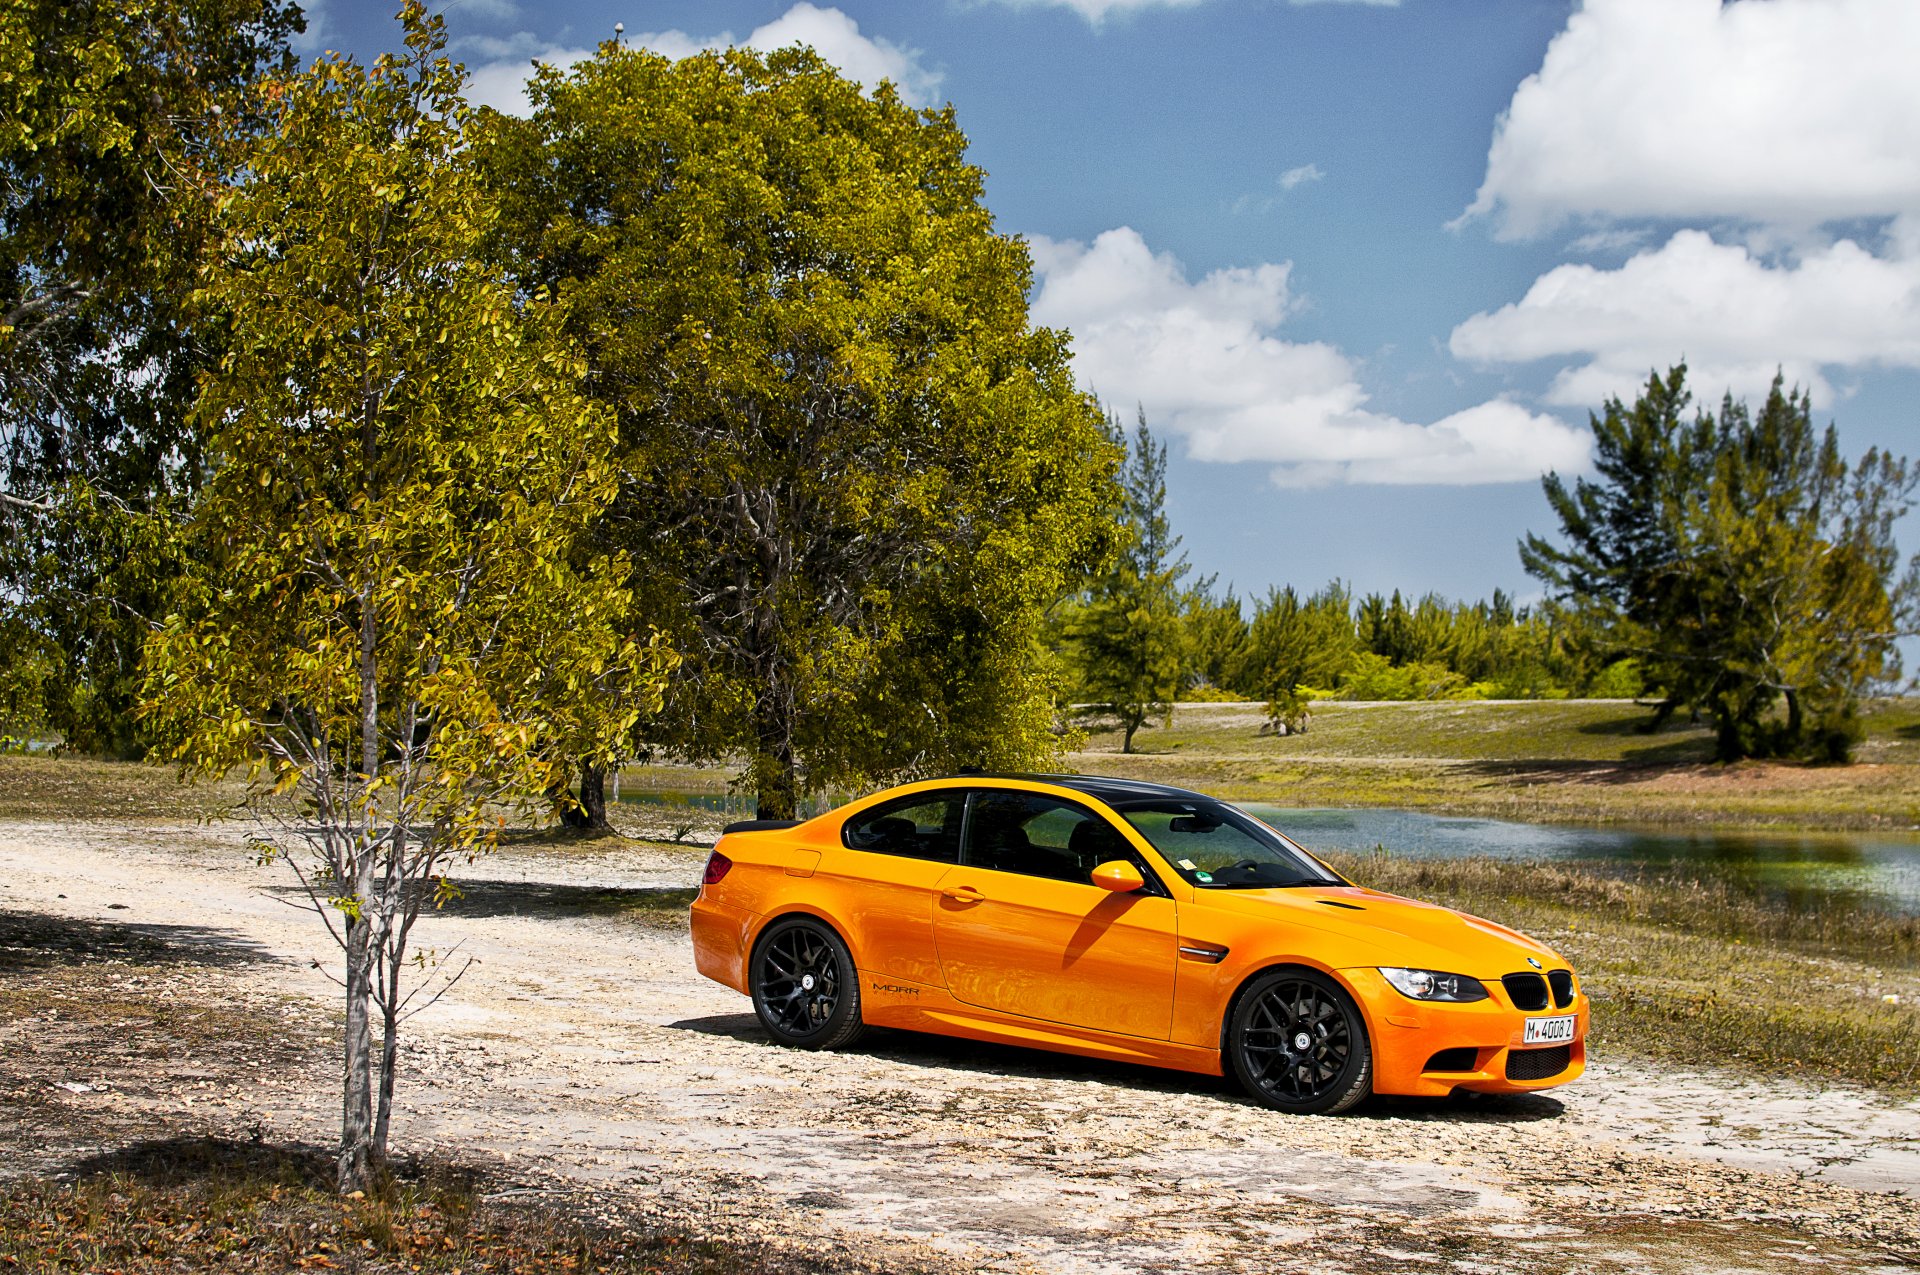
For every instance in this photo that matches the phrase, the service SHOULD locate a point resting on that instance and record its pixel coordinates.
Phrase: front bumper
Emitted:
(1431, 1048)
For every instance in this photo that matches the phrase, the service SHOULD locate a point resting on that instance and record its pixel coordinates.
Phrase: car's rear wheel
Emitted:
(1297, 1043)
(804, 986)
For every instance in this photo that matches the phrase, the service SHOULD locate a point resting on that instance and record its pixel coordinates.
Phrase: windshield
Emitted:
(1217, 847)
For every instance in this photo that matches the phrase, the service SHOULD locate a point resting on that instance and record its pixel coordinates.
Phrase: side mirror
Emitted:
(1119, 876)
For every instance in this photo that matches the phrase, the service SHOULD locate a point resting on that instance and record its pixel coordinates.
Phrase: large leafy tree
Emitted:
(118, 123)
(853, 476)
(402, 469)
(1742, 561)
(1129, 637)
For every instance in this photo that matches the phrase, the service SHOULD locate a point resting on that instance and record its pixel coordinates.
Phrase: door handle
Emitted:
(964, 894)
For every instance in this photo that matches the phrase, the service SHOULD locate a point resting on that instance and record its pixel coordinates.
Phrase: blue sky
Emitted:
(1366, 264)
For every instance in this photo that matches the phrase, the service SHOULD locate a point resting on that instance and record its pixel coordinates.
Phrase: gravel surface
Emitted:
(582, 1046)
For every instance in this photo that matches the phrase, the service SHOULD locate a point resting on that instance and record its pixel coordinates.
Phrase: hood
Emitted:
(1390, 930)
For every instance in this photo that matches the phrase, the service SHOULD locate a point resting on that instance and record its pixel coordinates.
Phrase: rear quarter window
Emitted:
(918, 827)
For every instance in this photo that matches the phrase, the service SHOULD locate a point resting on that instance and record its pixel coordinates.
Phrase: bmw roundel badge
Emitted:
(1534, 961)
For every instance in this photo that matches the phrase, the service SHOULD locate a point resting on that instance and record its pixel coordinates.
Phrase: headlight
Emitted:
(1432, 985)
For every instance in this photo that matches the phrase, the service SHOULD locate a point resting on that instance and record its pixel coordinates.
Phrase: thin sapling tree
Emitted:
(389, 535)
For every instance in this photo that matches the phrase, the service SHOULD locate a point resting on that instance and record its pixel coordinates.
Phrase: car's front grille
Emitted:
(1561, 981)
(1459, 1058)
(1527, 991)
(1538, 1064)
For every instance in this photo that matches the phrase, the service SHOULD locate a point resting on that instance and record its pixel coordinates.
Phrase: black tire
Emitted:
(805, 988)
(1328, 1073)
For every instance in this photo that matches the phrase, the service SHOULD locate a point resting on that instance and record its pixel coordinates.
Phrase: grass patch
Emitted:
(1703, 973)
(215, 1205)
(84, 788)
(1466, 730)
(1568, 761)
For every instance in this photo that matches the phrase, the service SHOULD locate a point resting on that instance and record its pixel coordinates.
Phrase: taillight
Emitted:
(717, 866)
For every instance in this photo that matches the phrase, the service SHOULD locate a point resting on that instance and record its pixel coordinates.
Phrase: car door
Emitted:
(1021, 929)
(901, 849)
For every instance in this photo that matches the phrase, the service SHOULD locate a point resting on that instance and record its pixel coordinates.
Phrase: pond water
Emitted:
(1880, 868)
(1877, 867)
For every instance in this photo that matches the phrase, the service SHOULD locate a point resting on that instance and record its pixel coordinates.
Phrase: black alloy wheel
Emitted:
(1297, 1043)
(804, 986)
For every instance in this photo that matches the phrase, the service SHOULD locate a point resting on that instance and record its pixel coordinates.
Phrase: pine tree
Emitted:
(1128, 635)
(1741, 561)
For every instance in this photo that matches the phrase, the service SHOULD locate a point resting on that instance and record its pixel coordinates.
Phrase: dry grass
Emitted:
(1547, 761)
(213, 1205)
(83, 788)
(147, 1023)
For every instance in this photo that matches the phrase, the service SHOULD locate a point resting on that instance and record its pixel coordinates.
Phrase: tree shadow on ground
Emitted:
(183, 1160)
(36, 940)
(200, 1160)
(1155, 1084)
(546, 901)
(1676, 741)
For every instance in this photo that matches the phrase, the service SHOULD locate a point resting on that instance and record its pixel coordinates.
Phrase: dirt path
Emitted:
(583, 1043)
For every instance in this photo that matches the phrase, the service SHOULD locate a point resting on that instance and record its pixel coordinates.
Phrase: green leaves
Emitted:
(118, 122)
(403, 469)
(853, 477)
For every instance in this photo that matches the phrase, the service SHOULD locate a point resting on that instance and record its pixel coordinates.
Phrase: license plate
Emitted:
(1549, 1031)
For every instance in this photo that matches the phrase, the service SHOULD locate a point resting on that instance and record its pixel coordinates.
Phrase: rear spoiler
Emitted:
(760, 825)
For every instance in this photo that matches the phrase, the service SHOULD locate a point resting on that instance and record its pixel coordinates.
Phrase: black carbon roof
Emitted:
(1106, 788)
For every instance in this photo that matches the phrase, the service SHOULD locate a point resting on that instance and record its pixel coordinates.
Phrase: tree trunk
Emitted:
(777, 794)
(354, 1168)
(389, 1066)
(1796, 722)
(593, 797)
(776, 774)
(570, 812)
(358, 1152)
(1130, 725)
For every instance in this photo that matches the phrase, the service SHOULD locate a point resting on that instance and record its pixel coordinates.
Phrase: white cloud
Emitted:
(1096, 11)
(832, 34)
(1787, 111)
(503, 84)
(313, 41)
(836, 37)
(1203, 359)
(485, 10)
(1733, 315)
(1300, 176)
(1606, 242)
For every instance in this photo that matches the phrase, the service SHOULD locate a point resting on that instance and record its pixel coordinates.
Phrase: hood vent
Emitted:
(1335, 903)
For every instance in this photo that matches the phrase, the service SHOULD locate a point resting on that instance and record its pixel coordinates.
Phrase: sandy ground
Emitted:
(583, 1044)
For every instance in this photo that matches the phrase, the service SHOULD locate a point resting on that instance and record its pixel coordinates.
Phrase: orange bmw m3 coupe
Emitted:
(1131, 921)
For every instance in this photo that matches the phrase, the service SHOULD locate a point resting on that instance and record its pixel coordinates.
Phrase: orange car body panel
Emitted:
(997, 956)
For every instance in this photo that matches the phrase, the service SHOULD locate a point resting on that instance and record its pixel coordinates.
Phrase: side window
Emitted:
(924, 826)
(1040, 836)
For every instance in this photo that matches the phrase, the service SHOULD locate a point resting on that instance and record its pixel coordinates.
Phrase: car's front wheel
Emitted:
(1297, 1043)
(804, 986)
